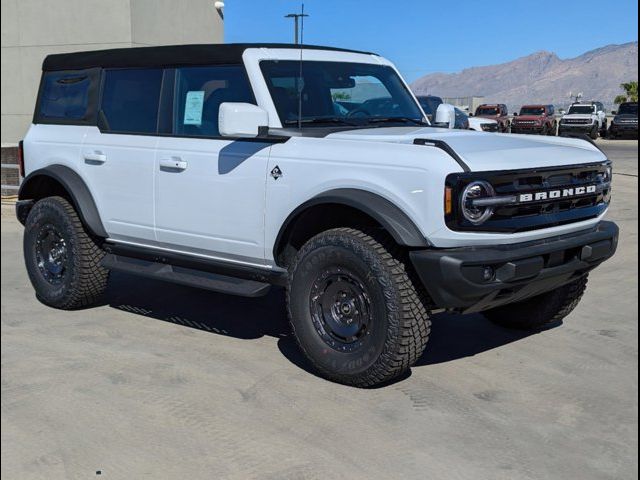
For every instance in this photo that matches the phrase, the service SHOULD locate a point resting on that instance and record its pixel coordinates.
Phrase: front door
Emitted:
(209, 190)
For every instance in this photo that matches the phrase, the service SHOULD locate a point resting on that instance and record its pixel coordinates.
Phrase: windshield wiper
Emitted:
(317, 120)
(415, 121)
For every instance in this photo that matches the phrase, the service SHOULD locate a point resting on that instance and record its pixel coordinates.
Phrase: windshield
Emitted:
(628, 109)
(581, 109)
(489, 111)
(532, 111)
(338, 93)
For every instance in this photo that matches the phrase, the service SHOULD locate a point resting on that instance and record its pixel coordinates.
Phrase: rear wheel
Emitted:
(537, 312)
(62, 259)
(355, 312)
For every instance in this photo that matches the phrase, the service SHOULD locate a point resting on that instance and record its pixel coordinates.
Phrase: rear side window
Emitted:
(199, 91)
(68, 97)
(130, 101)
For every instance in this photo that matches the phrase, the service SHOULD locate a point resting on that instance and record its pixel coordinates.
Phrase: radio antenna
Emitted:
(300, 83)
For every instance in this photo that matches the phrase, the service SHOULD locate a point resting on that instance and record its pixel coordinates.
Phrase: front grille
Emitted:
(539, 214)
(489, 127)
(576, 121)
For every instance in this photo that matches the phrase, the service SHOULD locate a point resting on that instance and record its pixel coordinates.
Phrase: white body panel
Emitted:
(119, 173)
(216, 198)
(475, 123)
(216, 203)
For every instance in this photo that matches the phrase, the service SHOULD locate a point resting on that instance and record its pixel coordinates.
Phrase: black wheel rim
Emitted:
(51, 254)
(340, 309)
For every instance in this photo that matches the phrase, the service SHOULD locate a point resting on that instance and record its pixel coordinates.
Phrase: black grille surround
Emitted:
(533, 215)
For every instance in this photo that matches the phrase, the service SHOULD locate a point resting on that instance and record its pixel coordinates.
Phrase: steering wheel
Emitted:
(358, 112)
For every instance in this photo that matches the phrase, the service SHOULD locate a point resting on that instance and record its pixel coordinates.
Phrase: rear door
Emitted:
(210, 190)
(119, 155)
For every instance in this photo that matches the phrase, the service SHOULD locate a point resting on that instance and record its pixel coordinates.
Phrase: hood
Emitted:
(489, 117)
(483, 152)
(625, 116)
(481, 121)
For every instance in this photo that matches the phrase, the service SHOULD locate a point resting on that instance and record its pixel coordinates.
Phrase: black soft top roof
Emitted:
(171, 55)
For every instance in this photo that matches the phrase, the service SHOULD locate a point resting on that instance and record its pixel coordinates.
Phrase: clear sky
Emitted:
(426, 36)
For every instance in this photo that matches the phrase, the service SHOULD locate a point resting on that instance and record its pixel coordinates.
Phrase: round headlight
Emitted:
(474, 214)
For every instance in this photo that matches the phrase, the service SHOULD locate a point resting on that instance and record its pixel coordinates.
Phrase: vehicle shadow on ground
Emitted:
(452, 336)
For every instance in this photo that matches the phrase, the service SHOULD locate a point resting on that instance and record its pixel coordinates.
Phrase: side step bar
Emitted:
(185, 276)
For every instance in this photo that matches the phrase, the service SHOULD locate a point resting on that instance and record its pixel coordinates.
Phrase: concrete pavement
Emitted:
(167, 382)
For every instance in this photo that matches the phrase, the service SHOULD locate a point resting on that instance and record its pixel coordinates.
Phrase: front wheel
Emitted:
(537, 312)
(354, 309)
(594, 132)
(62, 259)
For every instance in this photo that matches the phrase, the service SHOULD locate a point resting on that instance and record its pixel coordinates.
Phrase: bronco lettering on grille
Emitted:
(557, 194)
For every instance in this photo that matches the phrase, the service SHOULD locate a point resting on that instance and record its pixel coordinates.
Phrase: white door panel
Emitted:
(210, 196)
(120, 170)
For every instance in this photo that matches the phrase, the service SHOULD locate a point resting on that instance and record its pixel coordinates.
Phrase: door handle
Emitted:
(173, 163)
(95, 158)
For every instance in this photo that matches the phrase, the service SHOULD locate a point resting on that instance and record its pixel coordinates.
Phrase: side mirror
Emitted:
(470, 114)
(515, 114)
(446, 116)
(614, 112)
(241, 120)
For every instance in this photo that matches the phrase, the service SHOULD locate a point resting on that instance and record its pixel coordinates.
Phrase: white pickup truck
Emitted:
(237, 167)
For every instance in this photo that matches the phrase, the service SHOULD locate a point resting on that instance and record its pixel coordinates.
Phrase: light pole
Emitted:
(296, 17)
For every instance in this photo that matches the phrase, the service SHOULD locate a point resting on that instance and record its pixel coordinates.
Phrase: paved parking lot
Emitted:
(169, 382)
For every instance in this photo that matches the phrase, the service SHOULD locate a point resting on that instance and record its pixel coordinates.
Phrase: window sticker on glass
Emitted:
(193, 108)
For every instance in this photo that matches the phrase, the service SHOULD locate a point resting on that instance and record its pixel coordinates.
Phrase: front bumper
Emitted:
(454, 277)
(576, 128)
(624, 129)
(526, 128)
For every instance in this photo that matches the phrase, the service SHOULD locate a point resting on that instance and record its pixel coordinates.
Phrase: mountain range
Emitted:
(541, 77)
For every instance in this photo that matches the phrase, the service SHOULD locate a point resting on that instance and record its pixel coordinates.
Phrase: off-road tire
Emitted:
(593, 134)
(84, 280)
(538, 312)
(545, 130)
(400, 325)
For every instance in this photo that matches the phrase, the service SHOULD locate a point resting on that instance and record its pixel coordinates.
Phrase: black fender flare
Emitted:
(391, 217)
(77, 189)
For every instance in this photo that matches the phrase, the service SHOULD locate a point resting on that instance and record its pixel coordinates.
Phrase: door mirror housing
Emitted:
(242, 120)
(614, 112)
(446, 116)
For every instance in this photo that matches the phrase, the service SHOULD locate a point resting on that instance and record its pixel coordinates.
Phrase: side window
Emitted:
(130, 100)
(199, 91)
(68, 97)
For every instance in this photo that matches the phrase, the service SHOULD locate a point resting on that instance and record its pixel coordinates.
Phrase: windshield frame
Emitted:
(629, 105)
(480, 113)
(573, 107)
(372, 121)
(526, 111)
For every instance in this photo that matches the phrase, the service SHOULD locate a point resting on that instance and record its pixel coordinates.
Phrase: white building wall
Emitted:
(32, 29)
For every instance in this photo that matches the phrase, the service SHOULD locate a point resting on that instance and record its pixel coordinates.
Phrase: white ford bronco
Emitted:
(584, 118)
(236, 167)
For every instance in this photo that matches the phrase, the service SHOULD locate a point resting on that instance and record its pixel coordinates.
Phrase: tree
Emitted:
(344, 96)
(631, 90)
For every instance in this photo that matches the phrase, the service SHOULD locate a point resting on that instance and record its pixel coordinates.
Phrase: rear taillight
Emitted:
(21, 158)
